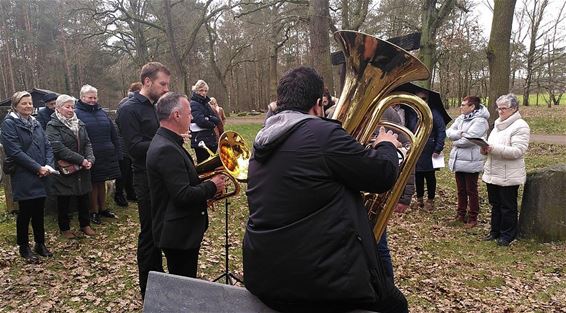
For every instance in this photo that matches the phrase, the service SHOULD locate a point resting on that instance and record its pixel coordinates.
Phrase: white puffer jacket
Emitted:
(465, 156)
(505, 165)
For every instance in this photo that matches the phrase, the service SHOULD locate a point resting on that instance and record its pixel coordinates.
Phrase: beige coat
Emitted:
(505, 164)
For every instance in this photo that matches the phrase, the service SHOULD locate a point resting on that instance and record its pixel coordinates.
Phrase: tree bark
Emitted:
(432, 19)
(498, 53)
(320, 41)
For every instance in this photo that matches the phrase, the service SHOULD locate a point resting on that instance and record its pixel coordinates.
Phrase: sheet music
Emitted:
(478, 141)
(438, 161)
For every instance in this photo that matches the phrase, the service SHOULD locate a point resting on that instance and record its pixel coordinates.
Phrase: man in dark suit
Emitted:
(178, 196)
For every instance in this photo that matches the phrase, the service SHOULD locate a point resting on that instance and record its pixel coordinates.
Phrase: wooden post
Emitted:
(11, 206)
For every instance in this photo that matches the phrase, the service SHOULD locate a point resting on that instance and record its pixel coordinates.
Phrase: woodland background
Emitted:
(241, 48)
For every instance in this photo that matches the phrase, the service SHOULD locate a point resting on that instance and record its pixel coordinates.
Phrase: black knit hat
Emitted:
(49, 97)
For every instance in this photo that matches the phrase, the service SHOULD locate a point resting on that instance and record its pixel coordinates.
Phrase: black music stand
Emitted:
(229, 276)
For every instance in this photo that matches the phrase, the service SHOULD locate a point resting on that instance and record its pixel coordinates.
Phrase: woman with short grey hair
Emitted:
(71, 144)
(504, 169)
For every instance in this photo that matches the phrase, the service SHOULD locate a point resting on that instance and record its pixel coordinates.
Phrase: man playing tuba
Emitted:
(308, 245)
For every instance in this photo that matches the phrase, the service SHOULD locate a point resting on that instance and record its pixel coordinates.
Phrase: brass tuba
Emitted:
(374, 68)
(231, 159)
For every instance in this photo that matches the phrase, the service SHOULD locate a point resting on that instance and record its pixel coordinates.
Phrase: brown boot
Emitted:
(471, 224)
(67, 234)
(429, 205)
(88, 231)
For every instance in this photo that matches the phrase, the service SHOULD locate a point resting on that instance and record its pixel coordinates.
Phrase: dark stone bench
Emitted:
(172, 293)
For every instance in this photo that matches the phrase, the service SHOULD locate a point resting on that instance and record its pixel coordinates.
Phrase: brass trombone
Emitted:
(231, 159)
(374, 68)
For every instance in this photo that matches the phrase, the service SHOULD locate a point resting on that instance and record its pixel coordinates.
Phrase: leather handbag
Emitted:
(67, 168)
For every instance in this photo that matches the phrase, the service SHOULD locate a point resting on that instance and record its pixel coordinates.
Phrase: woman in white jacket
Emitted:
(466, 161)
(504, 169)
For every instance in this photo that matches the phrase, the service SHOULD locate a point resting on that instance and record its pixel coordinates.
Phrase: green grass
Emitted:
(440, 266)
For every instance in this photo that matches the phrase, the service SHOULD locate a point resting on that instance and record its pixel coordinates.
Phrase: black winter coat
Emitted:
(28, 146)
(178, 197)
(66, 147)
(104, 140)
(308, 239)
(137, 122)
(204, 122)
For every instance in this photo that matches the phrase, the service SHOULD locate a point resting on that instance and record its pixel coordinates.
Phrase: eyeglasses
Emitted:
(502, 109)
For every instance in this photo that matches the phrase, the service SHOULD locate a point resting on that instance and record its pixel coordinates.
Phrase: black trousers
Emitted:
(182, 262)
(148, 255)
(504, 212)
(430, 178)
(31, 209)
(126, 180)
(83, 203)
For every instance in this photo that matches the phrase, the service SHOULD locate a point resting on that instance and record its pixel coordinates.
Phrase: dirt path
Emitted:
(258, 119)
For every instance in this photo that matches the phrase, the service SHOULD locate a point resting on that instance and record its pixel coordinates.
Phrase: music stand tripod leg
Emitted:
(229, 276)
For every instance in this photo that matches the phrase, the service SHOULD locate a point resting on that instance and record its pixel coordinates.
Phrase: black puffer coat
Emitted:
(104, 139)
(64, 144)
(204, 122)
(308, 238)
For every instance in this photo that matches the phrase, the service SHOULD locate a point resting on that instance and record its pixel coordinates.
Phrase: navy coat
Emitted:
(15, 137)
(44, 116)
(204, 122)
(435, 142)
(104, 139)
(66, 147)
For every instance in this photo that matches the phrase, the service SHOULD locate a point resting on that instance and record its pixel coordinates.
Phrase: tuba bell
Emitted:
(231, 159)
(374, 68)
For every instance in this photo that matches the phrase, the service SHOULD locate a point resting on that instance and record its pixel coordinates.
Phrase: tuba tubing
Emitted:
(374, 68)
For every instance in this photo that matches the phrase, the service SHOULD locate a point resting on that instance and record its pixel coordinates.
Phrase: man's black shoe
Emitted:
(120, 200)
(94, 218)
(41, 249)
(26, 253)
(489, 237)
(503, 242)
(107, 213)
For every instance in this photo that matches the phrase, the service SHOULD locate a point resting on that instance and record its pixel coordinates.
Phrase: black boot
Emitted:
(26, 253)
(41, 249)
(94, 218)
(120, 200)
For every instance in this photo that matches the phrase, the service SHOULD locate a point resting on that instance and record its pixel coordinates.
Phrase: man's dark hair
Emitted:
(299, 89)
(151, 69)
(167, 103)
(473, 100)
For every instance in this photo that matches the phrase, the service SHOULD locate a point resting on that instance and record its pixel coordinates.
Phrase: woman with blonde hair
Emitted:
(70, 142)
(204, 122)
(29, 155)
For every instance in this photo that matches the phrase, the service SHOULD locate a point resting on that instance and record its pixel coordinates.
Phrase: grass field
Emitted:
(440, 266)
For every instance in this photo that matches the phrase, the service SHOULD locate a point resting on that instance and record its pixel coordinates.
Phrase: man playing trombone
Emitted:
(308, 245)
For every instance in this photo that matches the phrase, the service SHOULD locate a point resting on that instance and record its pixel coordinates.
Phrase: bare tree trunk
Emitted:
(320, 41)
(535, 16)
(173, 46)
(498, 52)
(432, 19)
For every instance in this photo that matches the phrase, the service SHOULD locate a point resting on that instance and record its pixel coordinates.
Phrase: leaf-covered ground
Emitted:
(440, 266)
